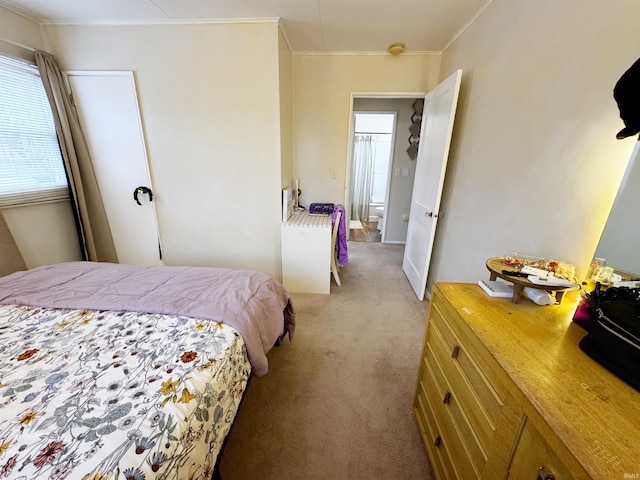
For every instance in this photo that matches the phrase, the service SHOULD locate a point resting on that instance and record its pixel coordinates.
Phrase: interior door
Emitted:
(107, 107)
(433, 151)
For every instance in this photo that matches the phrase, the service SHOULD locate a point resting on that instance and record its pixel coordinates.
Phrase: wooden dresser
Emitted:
(503, 389)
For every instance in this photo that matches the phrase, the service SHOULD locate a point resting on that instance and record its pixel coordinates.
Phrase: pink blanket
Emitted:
(257, 306)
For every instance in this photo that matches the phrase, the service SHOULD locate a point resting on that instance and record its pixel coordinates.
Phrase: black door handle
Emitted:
(142, 190)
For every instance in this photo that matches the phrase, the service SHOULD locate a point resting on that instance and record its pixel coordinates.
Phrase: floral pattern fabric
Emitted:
(98, 395)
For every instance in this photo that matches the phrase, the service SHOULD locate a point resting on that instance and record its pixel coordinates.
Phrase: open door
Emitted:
(433, 152)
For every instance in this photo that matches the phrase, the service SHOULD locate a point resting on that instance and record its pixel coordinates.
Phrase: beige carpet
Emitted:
(336, 403)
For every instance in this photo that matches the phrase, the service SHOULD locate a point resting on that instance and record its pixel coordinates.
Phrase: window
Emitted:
(31, 167)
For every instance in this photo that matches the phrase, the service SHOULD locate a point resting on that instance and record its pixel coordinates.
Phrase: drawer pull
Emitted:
(455, 352)
(437, 441)
(544, 474)
(447, 398)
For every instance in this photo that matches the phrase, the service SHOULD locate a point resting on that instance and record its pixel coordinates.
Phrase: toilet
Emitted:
(380, 214)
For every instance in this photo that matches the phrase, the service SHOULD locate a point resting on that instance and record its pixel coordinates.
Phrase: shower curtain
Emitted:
(361, 175)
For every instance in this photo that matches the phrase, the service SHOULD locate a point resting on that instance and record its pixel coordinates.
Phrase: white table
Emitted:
(306, 253)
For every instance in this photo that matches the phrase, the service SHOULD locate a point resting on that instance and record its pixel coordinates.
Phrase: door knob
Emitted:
(142, 190)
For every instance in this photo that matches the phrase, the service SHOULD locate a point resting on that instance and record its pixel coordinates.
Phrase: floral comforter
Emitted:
(251, 302)
(98, 395)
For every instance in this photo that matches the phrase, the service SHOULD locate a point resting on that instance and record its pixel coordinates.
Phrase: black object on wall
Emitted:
(627, 95)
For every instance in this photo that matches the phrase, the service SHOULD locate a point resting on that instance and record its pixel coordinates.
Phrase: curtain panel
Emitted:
(91, 219)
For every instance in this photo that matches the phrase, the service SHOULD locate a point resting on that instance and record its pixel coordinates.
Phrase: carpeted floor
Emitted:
(336, 403)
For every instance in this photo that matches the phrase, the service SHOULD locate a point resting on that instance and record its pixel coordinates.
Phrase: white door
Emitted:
(107, 106)
(433, 151)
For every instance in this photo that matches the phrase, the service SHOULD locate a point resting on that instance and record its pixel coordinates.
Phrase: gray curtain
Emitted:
(10, 257)
(93, 227)
(361, 176)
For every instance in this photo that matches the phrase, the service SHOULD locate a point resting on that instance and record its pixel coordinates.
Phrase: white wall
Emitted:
(16, 29)
(535, 165)
(211, 117)
(323, 85)
(401, 187)
(285, 68)
(44, 234)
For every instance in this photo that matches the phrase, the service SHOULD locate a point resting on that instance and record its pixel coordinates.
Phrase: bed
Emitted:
(114, 371)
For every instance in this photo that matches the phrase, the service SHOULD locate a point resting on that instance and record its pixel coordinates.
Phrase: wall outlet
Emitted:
(333, 174)
(405, 218)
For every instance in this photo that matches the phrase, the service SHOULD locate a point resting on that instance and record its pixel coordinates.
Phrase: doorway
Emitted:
(370, 164)
(382, 216)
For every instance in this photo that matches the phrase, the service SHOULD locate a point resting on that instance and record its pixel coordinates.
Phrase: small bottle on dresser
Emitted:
(541, 297)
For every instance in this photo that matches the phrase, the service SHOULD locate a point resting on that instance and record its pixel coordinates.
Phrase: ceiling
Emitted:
(309, 25)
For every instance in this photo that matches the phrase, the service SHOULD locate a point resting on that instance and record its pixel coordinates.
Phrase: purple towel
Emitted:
(341, 243)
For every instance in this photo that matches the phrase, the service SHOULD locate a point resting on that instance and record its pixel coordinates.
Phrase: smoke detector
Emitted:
(396, 49)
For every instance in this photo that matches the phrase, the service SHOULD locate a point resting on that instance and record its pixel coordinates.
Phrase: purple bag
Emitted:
(321, 208)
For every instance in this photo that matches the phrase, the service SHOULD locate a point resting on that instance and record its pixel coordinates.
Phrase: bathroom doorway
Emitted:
(370, 164)
(380, 189)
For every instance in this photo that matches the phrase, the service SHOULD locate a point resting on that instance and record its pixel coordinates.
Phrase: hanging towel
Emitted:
(341, 243)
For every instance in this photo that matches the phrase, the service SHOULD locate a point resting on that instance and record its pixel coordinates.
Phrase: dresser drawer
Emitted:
(455, 396)
(470, 386)
(462, 443)
(436, 448)
(442, 437)
(480, 368)
(463, 402)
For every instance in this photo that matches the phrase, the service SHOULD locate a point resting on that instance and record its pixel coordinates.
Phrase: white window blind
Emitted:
(31, 167)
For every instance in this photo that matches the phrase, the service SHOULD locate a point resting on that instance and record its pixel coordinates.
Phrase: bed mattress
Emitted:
(121, 372)
(99, 395)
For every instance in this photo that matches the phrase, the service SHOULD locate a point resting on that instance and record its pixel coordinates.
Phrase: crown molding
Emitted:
(364, 53)
(168, 21)
(468, 23)
(16, 10)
